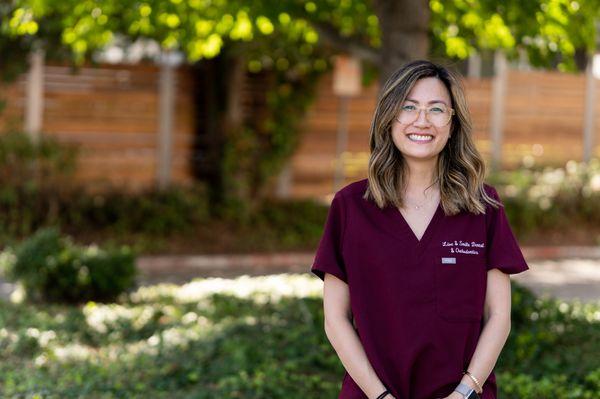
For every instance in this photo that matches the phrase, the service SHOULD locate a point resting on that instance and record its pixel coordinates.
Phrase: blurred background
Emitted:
(166, 168)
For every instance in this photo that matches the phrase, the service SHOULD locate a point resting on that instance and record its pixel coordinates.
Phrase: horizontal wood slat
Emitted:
(110, 112)
(545, 108)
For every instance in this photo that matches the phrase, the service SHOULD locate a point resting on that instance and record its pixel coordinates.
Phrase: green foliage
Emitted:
(33, 180)
(253, 154)
(23, 159)
(152, 212)
(36, 190)
(52, 268)
(292, 42)
(251, 338)
(281, 225)
(550, 32)
(198, 28)
(551, 198)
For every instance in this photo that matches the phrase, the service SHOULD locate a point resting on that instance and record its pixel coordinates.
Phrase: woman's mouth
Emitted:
(420, 138)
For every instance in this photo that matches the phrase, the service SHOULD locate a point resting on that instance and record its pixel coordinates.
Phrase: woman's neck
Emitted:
(420, 176)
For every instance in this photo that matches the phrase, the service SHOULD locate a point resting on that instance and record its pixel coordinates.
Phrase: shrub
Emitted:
(545, 197)
(33, 180)
(36, 190)
(52, 268)
(154, 212)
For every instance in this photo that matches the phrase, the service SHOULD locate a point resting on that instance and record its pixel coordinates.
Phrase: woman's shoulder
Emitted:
(356, 188)
(490, 190)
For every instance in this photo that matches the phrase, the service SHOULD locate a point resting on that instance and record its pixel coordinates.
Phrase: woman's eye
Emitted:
(408, 108)
(436, 110)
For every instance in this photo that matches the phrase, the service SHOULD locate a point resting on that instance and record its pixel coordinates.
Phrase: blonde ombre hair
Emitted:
(460, 168)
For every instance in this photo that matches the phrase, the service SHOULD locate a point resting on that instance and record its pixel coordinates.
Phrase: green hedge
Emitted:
(36, 191)
(51, 268)
(256, 337)
(542, 198)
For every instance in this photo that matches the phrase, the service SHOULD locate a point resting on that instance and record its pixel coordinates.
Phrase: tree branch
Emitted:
(331, 36)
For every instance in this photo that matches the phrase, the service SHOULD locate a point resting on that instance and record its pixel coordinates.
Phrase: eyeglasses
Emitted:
(437, 115)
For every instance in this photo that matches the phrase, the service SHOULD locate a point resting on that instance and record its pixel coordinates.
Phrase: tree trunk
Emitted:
(581, 58)
(218, 98)
(404, 25)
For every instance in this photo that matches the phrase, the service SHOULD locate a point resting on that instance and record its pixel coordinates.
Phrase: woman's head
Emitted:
(422, 116)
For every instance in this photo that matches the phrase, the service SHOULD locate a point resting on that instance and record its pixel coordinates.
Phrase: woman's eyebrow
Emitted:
(430, 102)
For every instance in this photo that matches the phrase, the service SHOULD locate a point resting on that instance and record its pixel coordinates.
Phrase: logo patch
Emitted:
(448, 261)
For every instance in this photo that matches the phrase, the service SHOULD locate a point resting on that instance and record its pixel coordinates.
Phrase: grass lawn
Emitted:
(253, 337)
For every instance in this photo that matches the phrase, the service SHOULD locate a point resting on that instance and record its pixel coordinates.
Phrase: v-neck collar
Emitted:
(403, 230)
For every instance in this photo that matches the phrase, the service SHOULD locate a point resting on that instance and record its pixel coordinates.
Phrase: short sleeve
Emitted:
(503, 251)
(328, 258)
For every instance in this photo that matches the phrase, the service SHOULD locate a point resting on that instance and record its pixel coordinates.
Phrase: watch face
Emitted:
(473, 395)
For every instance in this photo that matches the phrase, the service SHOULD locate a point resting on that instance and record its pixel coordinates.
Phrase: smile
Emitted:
(420, 138)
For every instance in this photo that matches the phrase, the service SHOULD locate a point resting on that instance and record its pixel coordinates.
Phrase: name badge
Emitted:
(448, 261)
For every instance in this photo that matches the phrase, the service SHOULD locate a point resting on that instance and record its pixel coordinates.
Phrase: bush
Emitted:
(52, 268)
(551, 198)
(154, 212)
(37, 190)
(34, 179)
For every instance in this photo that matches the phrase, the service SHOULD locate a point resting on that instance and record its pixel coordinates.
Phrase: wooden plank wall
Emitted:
(543, 120)
(12, 116)
(111, 113)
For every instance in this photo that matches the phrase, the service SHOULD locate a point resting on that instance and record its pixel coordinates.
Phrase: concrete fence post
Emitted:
(34, 103)
(166, 109)
(284, 182)
(497, 107)
(474, 66)
(592, 74)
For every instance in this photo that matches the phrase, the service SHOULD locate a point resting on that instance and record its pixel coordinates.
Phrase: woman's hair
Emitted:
(460, 168)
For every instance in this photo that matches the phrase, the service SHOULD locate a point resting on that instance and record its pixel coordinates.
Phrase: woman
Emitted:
(415, 259)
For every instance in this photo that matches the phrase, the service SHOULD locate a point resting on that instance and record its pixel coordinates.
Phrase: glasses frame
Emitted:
(419, 109)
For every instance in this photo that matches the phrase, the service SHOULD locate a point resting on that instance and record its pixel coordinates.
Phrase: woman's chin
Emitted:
(420, 155)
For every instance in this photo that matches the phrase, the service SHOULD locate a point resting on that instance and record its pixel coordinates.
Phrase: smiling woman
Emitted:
(428, 127)
(415, 259)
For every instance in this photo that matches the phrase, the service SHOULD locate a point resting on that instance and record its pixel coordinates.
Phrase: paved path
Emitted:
(566, 278)
(573, 278)
(566, 273)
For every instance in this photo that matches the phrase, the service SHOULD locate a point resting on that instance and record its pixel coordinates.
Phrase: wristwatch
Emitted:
(466, 391)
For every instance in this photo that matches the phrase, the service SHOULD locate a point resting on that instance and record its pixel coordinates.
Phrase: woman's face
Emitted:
(420, 139)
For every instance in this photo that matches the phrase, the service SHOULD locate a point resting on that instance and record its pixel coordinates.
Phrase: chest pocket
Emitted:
(460, 283)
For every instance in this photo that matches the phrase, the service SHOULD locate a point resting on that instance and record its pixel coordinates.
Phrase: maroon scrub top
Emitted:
(417, 305)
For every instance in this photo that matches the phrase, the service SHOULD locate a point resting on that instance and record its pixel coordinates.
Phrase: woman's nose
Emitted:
(421, 118)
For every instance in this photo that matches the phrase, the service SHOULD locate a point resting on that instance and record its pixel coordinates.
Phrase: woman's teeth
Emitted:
(420, 137)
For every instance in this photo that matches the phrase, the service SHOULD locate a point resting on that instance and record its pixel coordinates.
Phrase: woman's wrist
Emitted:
(385, 394)
(467, 381)
(473, 382)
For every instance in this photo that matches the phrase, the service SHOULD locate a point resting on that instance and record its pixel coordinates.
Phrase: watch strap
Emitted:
(466, 391)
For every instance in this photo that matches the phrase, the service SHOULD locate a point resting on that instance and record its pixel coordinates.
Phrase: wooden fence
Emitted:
(113, 112)
(543, 121)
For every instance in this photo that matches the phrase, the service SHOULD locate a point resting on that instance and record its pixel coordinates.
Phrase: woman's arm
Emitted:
(343, 337)
(496, 327)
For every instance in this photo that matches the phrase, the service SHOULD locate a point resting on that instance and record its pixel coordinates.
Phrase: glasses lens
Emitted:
(438, 116)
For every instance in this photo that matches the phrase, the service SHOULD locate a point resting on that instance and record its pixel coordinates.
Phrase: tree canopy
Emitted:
(552, 32)
(294, 41)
